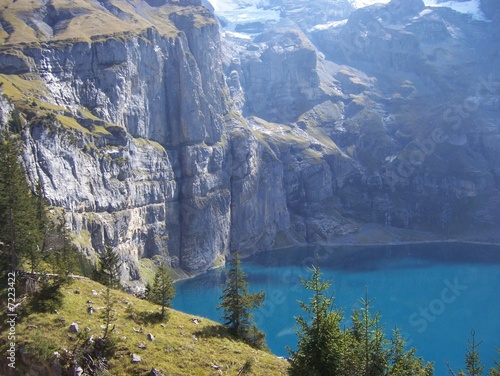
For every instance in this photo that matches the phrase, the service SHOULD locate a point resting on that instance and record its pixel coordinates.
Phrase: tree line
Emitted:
(31, 238)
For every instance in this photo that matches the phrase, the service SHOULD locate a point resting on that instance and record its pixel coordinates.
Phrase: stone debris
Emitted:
(155, 372)
(136, 358)
(73, 328)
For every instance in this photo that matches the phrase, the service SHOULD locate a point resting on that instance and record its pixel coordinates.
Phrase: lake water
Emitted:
(435, 293)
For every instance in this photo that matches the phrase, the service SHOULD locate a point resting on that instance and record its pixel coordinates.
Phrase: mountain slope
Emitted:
(181, 346)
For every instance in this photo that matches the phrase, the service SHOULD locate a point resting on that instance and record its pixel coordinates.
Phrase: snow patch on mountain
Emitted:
(365, 3)
(471, 7)
(238, 12)
(235, 12)
(329, 25)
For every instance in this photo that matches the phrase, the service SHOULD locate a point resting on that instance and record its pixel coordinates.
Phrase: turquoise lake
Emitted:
(436, 293)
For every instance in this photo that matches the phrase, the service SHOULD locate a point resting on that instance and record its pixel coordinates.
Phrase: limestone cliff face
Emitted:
(115, 193)
(132, 135)
(280, 68)
(131, 192)
(257, 176)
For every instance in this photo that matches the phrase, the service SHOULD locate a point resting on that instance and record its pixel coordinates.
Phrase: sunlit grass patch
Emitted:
(181, 345)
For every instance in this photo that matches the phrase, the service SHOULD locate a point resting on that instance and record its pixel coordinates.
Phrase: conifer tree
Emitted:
(496, 370)
(325, 349)
(320, 346)
(402, 362)
(370, 338)
(473, 366)
(237, 302)
(255, 338)
(36, 254)
(108, 314)
(162, 291)
(61, 253)
(109, 268)
(20, 229)
(16, 122)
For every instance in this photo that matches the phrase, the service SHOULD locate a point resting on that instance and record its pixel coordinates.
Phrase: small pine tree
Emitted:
(496, 370)
(255, 338)
(108, 271)
(473, 365)
(370, 338)
(405, 363)
(36, 254)
(16, 122)
(61, 254)
(237, 302)
(108, 314)
(324, 349)
(162, 291)
(320, 338)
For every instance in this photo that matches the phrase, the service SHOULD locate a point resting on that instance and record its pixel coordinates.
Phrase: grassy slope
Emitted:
(180, 347)
(31, 21)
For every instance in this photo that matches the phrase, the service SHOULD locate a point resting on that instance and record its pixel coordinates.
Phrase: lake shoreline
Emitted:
(372, 234)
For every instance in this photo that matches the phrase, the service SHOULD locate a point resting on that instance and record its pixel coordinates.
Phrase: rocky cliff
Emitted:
(159, 136)
(131, 133)
(406, 94)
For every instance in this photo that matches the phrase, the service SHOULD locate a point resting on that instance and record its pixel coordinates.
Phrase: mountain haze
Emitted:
(169, 132)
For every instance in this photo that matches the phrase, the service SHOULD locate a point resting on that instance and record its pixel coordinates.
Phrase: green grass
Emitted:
(181, 347)
(85, 22)
(147, 270)
(144, 142)
(71, 123)
(28, 94)
(18, 88)
(82, 239)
